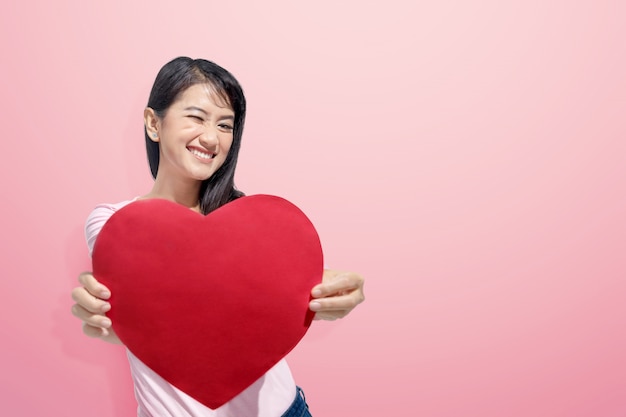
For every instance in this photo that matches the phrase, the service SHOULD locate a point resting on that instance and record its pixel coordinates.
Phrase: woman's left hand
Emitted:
(337, 295)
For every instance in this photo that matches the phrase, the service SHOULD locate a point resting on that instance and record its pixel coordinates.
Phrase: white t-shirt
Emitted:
(270, 396)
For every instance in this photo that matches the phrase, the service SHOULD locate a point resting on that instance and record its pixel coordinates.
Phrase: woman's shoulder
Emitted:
(98, 217)
(103, 211)
(113, 207)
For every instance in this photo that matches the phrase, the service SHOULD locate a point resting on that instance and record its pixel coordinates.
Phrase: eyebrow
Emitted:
(203, 111)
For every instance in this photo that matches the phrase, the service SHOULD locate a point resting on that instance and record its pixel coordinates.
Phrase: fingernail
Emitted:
(105, 294)
(106, 307)
(314, 305)
(316, 292)
(105, 323)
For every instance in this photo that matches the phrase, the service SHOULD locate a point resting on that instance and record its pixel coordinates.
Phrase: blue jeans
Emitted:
(299, 407)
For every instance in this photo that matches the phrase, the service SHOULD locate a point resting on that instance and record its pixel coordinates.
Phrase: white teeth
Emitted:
(201, 154)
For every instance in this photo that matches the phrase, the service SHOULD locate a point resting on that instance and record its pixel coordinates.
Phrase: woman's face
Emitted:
(195, 134)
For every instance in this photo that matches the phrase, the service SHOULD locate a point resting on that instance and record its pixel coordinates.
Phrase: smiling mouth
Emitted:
(201, 154)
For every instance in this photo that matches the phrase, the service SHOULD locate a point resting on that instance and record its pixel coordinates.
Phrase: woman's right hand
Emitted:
(91, 307)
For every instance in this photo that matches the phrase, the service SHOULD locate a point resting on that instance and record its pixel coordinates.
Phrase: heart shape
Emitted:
(210, 303)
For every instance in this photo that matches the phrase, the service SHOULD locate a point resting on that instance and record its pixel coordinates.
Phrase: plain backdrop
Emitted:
(468, 158)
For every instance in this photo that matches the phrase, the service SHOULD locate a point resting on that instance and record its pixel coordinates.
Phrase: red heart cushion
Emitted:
(211, 302)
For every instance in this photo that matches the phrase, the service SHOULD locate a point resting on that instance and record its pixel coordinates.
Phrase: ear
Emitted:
(152, 123)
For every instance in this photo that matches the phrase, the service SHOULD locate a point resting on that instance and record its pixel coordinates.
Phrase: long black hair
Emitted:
(174, 78)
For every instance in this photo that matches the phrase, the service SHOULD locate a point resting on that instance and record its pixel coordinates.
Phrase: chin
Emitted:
(206, 176)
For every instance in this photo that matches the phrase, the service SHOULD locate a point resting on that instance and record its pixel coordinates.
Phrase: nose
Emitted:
(209, 138)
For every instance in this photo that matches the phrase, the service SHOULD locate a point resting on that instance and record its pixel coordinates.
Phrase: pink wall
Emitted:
(467, 157)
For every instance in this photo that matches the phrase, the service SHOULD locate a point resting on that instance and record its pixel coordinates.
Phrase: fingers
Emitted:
(94, 331)
(108, 335)
(91, 319)
(91, 306)
(330, 315)
(95, 325)
(338, 303)
(337, 295)
(335, 283)
(89, 302)
(95, 288)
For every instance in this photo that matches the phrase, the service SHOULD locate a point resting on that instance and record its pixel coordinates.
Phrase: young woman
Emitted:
(193, 126)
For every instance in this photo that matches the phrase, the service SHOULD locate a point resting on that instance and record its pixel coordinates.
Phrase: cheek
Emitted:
(226, 143)
(192, 131)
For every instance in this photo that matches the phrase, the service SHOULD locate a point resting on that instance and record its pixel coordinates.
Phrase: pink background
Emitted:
(467, 157)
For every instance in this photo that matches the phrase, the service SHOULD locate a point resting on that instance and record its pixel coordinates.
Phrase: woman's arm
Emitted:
(334, 298)
(91, 297)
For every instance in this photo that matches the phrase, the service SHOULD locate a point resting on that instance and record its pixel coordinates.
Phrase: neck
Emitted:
(185, 193)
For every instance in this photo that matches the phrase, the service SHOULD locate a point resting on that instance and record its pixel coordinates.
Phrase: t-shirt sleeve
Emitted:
(95, 221)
